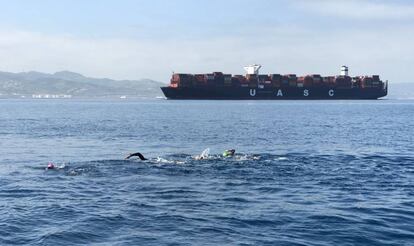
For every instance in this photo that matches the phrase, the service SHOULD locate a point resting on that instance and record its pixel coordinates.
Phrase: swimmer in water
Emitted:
(50, 166)
(204, 155)
(139, 155)
(53, 166)
(229, 153)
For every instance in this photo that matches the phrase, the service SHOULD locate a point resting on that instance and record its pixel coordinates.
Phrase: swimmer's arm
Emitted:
(138, 155)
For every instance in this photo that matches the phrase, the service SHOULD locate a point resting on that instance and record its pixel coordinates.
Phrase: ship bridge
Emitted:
(253, 69)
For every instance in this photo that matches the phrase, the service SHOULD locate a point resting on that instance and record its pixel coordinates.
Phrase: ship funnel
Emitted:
(252, 69)
(344, 71)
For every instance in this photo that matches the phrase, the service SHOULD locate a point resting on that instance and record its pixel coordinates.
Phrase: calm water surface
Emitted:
(305, 173)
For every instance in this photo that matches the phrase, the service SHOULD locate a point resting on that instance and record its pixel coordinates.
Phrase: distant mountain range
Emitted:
(70, 84)
(400, 91)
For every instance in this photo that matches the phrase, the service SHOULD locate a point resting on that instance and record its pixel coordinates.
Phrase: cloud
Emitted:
(361, 10)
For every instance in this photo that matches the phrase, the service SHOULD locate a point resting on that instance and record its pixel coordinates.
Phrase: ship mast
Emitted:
(344, 71)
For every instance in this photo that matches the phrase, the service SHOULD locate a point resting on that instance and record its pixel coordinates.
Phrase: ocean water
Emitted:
(305, 172)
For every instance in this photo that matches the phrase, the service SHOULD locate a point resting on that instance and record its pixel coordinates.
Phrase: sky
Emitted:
(134, 39)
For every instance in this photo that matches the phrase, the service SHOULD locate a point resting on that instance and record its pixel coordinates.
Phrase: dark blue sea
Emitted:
(305, 172)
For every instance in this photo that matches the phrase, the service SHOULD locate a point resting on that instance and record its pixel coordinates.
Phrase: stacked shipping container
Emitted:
(273, 81)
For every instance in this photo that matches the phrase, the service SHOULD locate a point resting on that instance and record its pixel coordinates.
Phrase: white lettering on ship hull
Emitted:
(279, 93)
(252, 92)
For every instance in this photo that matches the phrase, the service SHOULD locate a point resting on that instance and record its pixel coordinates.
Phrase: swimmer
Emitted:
(204, 155)
(198, 157)
(140, 156)
(50, 166)
(53, 166)
(229, 153)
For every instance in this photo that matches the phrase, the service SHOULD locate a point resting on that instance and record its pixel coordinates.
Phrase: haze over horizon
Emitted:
(140, 39)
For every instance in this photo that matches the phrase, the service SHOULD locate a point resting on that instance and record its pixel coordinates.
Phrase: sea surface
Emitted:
(305, 172)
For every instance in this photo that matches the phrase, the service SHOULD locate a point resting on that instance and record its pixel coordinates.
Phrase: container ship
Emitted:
(254, 85)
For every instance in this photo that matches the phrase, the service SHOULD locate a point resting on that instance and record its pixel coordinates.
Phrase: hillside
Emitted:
(400, 91)
(70, 84)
